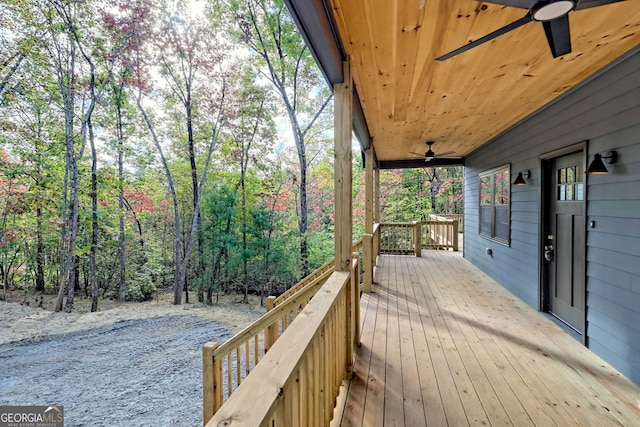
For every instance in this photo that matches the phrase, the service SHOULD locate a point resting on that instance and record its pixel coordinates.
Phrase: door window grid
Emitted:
(570, 183)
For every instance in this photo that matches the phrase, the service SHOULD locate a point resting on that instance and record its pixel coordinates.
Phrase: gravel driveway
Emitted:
(144, 372)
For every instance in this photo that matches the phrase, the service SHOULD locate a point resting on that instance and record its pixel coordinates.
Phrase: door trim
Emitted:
(545, 192)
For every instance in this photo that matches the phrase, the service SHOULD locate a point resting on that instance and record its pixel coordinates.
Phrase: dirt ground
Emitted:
(130, 364)
(22, 319)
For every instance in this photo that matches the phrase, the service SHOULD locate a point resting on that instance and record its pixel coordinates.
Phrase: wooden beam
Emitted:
(420, 163)
(376, 197)
(368, 191)
(343, 101)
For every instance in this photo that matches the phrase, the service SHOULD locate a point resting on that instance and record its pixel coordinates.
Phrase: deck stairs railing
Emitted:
(226, 366)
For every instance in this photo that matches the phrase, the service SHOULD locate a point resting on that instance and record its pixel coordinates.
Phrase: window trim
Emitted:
(491, 174)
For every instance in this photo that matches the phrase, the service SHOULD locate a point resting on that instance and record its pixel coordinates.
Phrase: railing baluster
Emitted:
(238, 367)
(218, 391)
(229, 374)
(303, 376)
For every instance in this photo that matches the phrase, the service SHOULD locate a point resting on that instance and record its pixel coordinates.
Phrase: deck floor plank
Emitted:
(442, 375)
(478, 364)
(434, 407)
(393, 402)
(443, 344)
(413, 406)
(353, 411)
(552, 373)
(375, 393)
(520, 402)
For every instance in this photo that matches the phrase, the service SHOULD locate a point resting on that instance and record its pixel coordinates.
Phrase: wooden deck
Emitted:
(443, 344)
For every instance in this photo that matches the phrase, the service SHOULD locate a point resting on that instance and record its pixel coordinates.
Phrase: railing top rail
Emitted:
(319, 272)
(271, 316)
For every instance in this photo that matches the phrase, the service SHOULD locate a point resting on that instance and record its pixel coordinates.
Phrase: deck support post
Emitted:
(367, 261)
(417, 238)
(343, 102)
(367, 242)
(376, 196)
(209, 385)
(272, 331)
(368, 190)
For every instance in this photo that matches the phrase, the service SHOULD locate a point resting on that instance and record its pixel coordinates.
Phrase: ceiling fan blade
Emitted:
(417, 154)
(446, 153)
(523, 4)
(512, 26)
(558, 35)
(586, 4)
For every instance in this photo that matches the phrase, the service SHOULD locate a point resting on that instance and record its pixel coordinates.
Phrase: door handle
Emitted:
(548, 248)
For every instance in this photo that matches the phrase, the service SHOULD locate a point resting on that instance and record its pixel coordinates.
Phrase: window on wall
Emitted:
(495, 197)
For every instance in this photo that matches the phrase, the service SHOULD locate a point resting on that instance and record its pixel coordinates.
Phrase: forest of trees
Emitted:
(183, 145)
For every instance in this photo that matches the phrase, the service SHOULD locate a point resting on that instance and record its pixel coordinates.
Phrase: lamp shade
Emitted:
(597, 166)
(519, 180)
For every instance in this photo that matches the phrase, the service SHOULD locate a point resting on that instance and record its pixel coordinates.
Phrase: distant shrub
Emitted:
(140, 286)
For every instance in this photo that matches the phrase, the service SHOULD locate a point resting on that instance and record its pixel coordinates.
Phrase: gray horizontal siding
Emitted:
(606, 112)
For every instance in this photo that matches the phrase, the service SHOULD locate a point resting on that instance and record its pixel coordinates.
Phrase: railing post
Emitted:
(367, 262)
(354, 306)
(376, 243)
(417, 238)
(455, 235)
(272, 330)
(209, 384)
(351, 315)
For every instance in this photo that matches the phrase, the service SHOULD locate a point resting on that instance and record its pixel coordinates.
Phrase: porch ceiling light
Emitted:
(597, 166)
(520, 178)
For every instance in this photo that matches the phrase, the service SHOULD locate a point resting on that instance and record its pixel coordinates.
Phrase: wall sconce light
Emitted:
(520, 178)
(597, 166)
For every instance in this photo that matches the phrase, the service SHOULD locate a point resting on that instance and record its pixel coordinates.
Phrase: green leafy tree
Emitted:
(190, 64)
(282, 57)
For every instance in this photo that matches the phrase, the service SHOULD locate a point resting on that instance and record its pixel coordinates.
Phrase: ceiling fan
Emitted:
(430, 155)
(553, 14)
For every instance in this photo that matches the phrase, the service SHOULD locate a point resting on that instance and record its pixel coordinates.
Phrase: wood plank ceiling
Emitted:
(461, 103)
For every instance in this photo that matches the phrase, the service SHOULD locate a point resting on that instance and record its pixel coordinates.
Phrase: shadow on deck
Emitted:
(443, 344)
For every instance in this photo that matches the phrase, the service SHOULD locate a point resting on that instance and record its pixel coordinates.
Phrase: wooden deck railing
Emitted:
(440, 233)
(297, 382)
(226, 366)
(456, 217)
(397, 238)
(299, 377)
(407, 237)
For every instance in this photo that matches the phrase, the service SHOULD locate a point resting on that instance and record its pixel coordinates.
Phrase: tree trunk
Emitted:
(122, 288)
(194, 175)
(245, 274)
(39, 221)
(39, 251)
(177, 262)
(65, 241)
(304, 250)
(93, 274)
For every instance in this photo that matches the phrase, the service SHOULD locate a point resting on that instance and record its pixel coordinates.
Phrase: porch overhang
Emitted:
(404, 97)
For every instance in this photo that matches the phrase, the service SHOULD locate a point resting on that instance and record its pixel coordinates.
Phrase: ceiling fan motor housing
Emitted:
(545, 11)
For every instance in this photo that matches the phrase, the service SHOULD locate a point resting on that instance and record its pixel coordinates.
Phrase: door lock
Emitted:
(548, 248)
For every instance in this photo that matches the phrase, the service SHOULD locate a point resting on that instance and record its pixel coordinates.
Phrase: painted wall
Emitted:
(605, 110)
